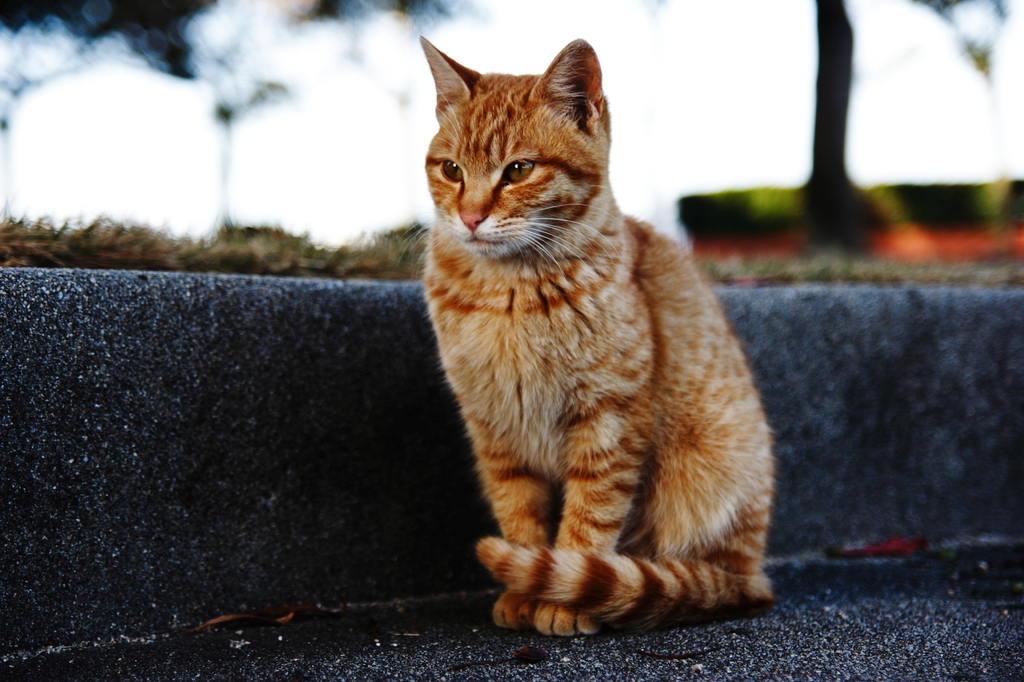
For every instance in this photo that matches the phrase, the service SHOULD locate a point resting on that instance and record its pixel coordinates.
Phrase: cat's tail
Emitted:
(626, 591)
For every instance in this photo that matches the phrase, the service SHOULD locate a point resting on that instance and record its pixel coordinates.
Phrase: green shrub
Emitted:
(771, 210)
(759, 211)
(934, 204)
(1017, 201)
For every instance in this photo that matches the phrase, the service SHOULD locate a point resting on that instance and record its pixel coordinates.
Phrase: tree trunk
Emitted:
(224, 213)
(834, 216)
(5, 166)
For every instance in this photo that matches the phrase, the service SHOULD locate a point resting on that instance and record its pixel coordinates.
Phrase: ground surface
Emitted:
(927, 617)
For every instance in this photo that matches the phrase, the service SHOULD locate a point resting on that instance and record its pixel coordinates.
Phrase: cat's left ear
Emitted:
(573, 83)
(454, 82)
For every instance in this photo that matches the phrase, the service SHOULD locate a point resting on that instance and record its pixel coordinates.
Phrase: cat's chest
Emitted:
(514, 368)
(521, 358)
(533, 345)
(530, 331)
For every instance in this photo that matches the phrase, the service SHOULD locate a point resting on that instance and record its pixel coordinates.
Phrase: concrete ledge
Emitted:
(896, 410)
(179, 446)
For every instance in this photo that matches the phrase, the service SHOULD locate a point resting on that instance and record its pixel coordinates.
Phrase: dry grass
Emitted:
(398, 254)
(835, 269)
(241, 250)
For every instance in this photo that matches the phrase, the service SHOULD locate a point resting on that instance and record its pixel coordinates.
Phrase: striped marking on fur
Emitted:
(622, 590)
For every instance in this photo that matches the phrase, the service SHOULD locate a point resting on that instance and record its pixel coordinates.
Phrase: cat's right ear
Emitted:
(573, 84)
(454, 82)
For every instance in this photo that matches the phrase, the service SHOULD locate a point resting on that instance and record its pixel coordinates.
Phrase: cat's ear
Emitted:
(573, 84)
(453, 81)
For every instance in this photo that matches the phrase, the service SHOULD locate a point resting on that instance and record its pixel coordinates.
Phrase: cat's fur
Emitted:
(618, 434)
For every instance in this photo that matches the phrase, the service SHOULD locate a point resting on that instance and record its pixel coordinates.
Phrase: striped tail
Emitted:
(626, 591)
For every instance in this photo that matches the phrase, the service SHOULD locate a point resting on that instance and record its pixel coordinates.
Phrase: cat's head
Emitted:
(519, 166)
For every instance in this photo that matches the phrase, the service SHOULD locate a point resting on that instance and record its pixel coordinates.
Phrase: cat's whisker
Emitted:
(595, 234)
(592, 207)
(446, 246)
(544, 236)
(549, 209)
(537, 245)
(443, 120)
(562, 224)
(415, 236)
(574, 250)
(450, 130)
(568, 249)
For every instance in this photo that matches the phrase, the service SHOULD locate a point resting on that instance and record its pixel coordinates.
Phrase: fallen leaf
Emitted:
(894, 546)
(275, 615)
(527, 654)
(530, 654)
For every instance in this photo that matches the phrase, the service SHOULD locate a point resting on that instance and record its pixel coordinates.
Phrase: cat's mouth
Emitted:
(490, 245)
(485, 244)
(483, 241)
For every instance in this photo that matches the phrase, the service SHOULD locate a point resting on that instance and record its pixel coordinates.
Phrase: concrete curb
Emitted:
(179, 446)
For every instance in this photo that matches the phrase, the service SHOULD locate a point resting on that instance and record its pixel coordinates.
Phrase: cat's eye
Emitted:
(452, 171)
(517, 171)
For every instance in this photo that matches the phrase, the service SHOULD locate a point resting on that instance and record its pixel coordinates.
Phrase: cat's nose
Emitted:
(472, 220)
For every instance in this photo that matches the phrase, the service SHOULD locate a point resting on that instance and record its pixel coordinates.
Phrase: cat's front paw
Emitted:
(514, 610)
(551, 619)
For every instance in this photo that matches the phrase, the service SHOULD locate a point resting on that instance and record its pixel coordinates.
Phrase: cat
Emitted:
(617, 432)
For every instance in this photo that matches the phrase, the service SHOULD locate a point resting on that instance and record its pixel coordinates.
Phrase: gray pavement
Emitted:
(922, 618)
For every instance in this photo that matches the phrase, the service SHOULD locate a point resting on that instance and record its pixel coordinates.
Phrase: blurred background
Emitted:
(891, 127)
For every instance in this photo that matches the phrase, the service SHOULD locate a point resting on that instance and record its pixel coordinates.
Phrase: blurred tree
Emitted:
(977, 24)
(408, 17)
(43, 39)
(229, 41)
(977, 34)
(154, 29)
(227, 112)
(28, 59)
(834, 213)
(165, 33)
(421, 10)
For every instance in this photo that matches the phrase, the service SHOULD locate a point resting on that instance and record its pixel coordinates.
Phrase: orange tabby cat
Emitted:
(617, 432)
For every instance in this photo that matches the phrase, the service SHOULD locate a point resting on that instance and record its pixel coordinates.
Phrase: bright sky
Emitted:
(704, 96)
